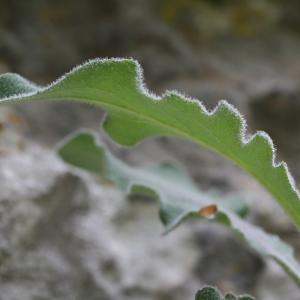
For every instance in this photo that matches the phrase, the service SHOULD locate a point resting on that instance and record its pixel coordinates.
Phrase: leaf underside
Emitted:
(134, 114)
(178, 197)
(211, 293)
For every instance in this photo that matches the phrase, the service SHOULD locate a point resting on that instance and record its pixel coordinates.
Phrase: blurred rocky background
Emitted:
(67, 235)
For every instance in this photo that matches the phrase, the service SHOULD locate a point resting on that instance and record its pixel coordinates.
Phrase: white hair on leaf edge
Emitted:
(140, 85)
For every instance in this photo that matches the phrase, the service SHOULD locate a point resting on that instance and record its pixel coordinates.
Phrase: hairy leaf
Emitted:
(211, 293)
(134, 114)
(178, 197)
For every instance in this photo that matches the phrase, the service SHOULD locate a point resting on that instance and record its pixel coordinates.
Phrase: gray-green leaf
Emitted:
(134, 114)
(211, 293)
(179, 198)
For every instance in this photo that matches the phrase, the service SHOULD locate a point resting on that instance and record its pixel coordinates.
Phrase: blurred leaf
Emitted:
(178, 197)
(211, 293)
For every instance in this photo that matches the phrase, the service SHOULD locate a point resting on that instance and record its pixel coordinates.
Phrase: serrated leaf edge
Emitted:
(141, 87)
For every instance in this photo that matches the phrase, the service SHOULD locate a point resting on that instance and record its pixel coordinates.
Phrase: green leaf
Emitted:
(178, 197)
(134, 114)
(208, 293)
(211, 293)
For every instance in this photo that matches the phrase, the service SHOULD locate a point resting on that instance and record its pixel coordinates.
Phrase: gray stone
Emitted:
(68, 235)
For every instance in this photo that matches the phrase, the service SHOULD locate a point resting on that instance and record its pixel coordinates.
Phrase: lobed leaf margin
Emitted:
(289, 199)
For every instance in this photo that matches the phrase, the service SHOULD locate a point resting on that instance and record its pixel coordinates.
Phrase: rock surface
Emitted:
(67, 236)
